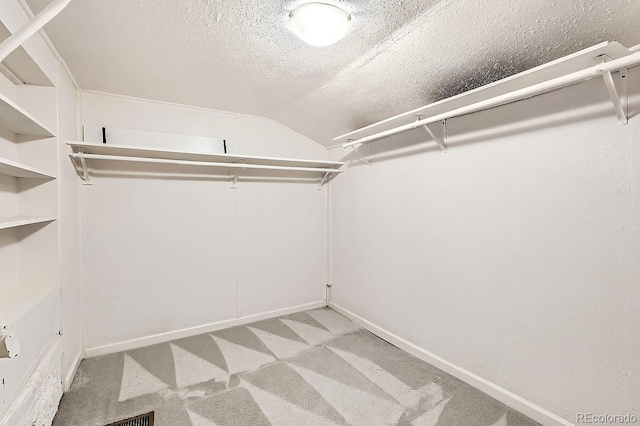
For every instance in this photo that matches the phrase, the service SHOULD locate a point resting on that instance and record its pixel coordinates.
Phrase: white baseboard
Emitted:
(519, 404)
(72, 371)
(193, 331)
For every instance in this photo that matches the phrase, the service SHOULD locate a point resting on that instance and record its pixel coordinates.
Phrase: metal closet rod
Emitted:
(82, 155)
(516, 95)
(30, 28)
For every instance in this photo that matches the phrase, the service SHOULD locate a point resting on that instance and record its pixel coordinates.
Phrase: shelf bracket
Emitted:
(323, 181)
(620, 99)
(234, 176)
(85, 172)
(439, 137)
(234, 180)
(362, 156)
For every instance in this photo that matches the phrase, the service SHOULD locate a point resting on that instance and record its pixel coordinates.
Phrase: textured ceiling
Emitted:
(239, 55)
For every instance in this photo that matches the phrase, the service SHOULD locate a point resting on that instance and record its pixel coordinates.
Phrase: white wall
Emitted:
(514, 255)
(163, 252)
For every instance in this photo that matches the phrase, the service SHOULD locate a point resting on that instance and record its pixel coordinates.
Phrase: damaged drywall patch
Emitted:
(46, 404)
(38, 402)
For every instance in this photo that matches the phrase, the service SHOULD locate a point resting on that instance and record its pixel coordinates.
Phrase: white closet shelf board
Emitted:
(22, 300)
(14, 169)
(15, 221)
(20, 121)
(124, 151)
(578, 61)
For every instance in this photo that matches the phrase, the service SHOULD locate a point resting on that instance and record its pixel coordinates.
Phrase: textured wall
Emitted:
(514, 255)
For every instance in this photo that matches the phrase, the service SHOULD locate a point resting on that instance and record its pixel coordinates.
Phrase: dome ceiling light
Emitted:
(319, 24)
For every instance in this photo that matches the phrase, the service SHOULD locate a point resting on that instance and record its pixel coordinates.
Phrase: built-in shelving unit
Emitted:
(34, 204)
(29, 229)
(29, 194)
(90, 151)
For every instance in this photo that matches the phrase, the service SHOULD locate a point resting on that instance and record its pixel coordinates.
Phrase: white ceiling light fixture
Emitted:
(319, 24)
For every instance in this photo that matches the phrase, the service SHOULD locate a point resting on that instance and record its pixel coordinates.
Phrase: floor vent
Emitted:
(141, 420)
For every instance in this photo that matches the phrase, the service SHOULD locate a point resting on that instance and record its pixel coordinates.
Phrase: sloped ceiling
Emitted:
(239, 56)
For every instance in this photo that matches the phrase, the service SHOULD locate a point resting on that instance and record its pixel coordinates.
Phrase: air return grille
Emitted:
(142, 420)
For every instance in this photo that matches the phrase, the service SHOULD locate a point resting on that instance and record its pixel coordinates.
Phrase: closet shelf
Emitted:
(600, 60)
(84, 151)
(20, 121)
(21, 301)
(14, 169)
(118, 150)
(16, 221)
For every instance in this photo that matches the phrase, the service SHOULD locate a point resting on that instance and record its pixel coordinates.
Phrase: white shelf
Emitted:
(461, 104)
(14, 169)
(22, 300)
(16, 221)
(20, 121)
(91, 151)
(126, 151)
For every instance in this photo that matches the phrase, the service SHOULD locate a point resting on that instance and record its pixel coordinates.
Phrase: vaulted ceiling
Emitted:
(239, 55)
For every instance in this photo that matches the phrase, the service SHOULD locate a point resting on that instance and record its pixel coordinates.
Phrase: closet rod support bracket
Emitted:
(234, 176)
(324, 180)
(234, 180)
(619, 99)
(439, 136)
(85, 172)
(363, 157)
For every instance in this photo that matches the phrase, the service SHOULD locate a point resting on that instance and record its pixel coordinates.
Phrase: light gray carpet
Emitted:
(312, 368)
